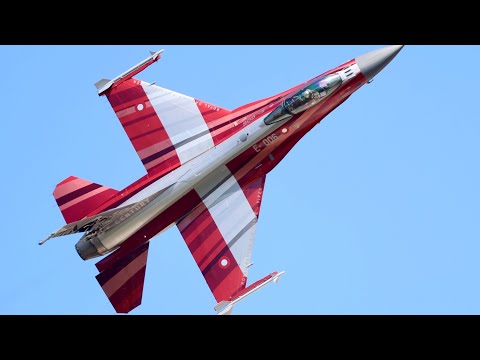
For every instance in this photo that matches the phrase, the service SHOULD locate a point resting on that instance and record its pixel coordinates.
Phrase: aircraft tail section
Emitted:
(166, 128)
(76, 197)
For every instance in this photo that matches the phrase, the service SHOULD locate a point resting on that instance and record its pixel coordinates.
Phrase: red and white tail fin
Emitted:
(166, 128)
(77, 197)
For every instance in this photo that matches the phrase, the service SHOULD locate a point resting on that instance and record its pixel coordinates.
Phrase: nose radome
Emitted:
(372, 63)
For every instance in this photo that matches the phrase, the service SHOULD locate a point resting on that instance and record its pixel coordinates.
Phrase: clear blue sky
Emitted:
(375, 211)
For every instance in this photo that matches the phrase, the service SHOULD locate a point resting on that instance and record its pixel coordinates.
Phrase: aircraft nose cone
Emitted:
(372, 63)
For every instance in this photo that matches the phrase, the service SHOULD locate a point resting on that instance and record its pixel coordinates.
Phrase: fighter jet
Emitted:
(206, 168)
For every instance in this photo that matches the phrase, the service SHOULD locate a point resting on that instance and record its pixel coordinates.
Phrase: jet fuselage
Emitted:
(257, 147)
(206, 170)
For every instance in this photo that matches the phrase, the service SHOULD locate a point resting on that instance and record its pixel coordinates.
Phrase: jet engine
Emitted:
(89, 246)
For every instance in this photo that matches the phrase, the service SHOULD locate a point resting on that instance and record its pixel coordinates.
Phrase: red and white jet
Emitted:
(206, 169)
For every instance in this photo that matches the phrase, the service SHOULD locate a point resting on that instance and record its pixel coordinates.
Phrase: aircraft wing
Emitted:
(166, 128)
(220, 233)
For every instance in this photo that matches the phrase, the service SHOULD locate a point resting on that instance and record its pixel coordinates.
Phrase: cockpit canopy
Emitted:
(309, 96)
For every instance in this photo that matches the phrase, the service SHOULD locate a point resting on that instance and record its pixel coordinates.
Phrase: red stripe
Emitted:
(208, 248)
(221, 128)
(207, 245)
(253, 192)
(125, 94)
(145, 134)
(211, 115)
(191, 216)
(226, 132)
(143, 131)
(83, 208)
(201, 235)
(143, 126)
(231, 285)
(132, 189)
(202, 231)
(210, 112)
(195, 228)
(137, 119)
(210, 254)
(158, 154)
(77, 193)
(224, 282)
(162, 167)
(107, 274)
(129, 296)
(197, 224)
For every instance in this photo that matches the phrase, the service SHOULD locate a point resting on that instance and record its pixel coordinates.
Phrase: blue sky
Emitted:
(375, 211)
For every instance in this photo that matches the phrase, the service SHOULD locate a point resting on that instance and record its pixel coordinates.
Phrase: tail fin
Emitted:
(166, 128)
(77, 197)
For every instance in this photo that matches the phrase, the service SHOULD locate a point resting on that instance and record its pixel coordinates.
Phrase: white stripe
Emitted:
(191, 149)
(231, 212)
(181, 119)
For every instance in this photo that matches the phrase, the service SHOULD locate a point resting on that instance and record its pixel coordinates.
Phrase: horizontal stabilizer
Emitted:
(76, 197)
(123, 281)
